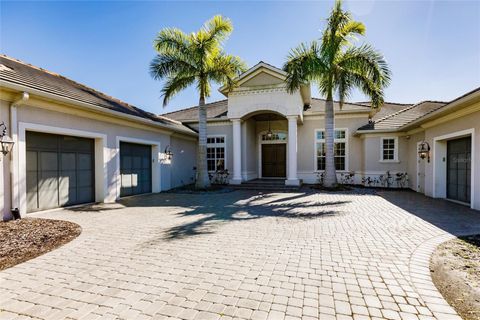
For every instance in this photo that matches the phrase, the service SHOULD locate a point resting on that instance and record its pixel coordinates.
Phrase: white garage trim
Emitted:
(440, 164)
(101, 159)
(156, 186)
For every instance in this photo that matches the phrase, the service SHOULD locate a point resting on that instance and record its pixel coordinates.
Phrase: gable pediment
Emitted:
(260, 75)
(262, 78)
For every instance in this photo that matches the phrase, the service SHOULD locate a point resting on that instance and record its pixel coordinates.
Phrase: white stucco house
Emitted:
(262, 131)
(74, 145)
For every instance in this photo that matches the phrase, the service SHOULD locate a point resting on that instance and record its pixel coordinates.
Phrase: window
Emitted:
(276, 136)
(388, 149)
(339, 149)
(215, 153)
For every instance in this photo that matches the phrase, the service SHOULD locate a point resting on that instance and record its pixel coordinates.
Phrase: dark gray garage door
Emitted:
(60, 171)
(135, 169)
(459, 169)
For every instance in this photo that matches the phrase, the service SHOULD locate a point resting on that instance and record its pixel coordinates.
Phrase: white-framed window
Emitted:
(216, 147)
(340, 149)
(389, 149)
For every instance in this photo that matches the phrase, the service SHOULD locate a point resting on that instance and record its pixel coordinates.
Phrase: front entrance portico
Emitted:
(265, 147)
(262, 103)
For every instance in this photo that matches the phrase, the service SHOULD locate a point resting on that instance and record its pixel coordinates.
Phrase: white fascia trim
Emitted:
(363, 132)
(94, 107)
(101, 158)
(156, 172)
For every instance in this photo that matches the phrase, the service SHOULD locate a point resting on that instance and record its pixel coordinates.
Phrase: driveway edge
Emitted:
(422, 281)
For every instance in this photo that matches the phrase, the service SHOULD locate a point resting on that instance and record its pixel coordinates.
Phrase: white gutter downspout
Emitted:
(14, 158)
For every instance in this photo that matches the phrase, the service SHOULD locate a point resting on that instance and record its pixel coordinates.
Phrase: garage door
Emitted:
(60, 171)
(135, 169)
(459, 169)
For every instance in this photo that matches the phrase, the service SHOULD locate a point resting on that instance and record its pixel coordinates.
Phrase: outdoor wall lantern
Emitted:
(5, 141)
(269, 132)
(168, 153)
(424, 150)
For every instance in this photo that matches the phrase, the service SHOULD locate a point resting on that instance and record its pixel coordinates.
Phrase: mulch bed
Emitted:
(190, 189)
(22, 240)
(455, 269)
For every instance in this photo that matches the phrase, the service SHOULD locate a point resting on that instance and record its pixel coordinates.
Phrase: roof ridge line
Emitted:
(336, 101)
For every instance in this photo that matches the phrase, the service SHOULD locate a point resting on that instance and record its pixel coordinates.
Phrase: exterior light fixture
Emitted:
(424, 150)
(269, 132)
(5, 141)
(168, 153)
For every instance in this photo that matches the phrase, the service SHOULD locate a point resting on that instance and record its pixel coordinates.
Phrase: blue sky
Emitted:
(433, 47)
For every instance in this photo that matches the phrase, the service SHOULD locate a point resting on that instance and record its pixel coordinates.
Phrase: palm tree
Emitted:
(337, 67)
(196, 59)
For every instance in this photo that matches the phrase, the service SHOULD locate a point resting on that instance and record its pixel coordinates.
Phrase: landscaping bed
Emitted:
(190, 189)
(455, 269)
(24, 239)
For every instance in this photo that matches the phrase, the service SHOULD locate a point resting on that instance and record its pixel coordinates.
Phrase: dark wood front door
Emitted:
(459, 169)
(274, 161)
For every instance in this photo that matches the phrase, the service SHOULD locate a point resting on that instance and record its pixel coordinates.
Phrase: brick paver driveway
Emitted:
(243, 255)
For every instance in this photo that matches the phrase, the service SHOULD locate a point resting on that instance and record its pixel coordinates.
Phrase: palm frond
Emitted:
(172, 41)
(224, 69)
(169, 65)
(174, 85)
(368, 62)
(303, 65)
(214, 32)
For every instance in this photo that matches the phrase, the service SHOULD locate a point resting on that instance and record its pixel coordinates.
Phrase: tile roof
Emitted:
(215, 110)
(403, 116)
(318, 106)
(387, 109)
(21, 73)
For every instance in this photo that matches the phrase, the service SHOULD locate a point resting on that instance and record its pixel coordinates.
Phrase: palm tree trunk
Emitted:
(330, 179)
(203, 181)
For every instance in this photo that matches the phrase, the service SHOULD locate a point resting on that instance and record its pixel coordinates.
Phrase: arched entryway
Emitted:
(264, 144)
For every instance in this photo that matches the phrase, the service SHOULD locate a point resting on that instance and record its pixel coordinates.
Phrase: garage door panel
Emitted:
(48, 190)
(32, 180)
(85, 161)
(67, 196)
(135, 169)
(57, 178)
(85, 178)
(84, 194)
(48, 161)
(459, 169)
(68, 161)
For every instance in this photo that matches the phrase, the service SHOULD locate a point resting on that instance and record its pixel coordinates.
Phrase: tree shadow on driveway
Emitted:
(210, 210)
(451, 217)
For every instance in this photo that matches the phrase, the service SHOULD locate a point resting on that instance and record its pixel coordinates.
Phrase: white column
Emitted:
(237, 152)
(292, 179)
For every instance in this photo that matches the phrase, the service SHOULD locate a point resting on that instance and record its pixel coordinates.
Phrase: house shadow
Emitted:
(451, 217)
(207, 211)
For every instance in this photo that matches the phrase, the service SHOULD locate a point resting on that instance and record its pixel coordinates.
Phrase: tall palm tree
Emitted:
(196, 59)
(337, 67)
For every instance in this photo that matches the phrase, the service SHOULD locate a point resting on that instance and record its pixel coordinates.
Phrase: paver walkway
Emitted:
(243, 255)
